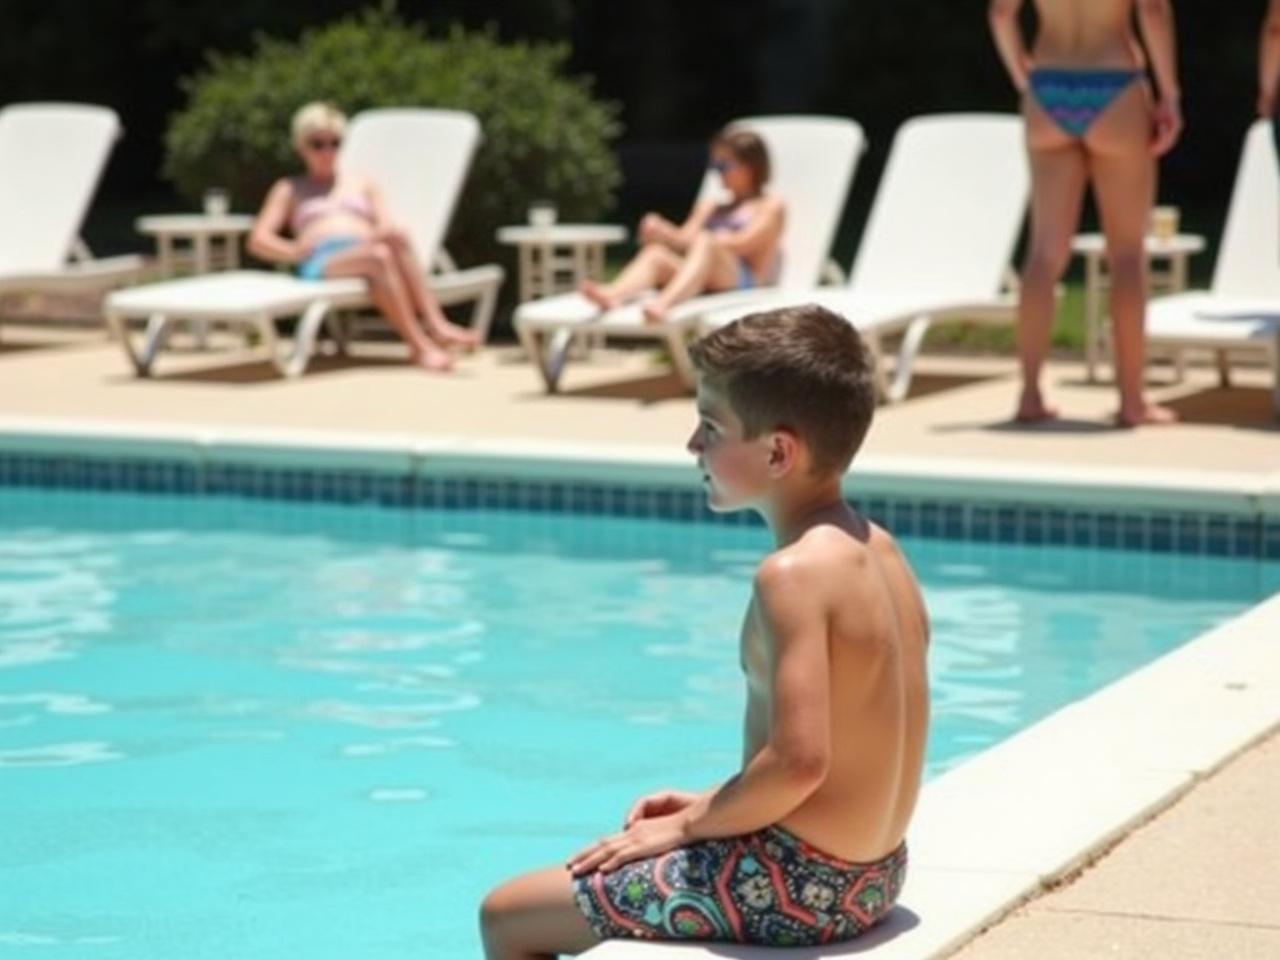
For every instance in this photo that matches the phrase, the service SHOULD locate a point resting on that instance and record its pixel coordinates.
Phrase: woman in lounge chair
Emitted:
(727, 246)
(339, 226)
(1091, 117)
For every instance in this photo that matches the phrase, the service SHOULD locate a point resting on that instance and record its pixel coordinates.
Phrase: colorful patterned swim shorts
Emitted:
(768, 888)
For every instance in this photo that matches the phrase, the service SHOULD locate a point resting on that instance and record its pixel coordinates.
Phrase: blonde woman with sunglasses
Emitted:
(329, 224)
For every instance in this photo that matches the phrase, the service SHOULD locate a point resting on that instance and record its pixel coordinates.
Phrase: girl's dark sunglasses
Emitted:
(324, 143)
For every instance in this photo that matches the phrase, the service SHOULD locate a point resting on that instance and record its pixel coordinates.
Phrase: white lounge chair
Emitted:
(420, 160)
(1240, 312)
(813, 160)
(51, 158)
(939, 239)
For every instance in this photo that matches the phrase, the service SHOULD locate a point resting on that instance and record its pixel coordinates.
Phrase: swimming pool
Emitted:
(232, 727)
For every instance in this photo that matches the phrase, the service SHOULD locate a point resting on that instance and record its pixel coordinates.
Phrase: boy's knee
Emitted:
(495, 909)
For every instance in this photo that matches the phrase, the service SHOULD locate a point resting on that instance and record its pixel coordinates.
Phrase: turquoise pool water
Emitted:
(231, 728)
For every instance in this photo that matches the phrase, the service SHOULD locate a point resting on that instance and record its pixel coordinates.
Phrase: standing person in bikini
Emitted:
(727, 246)
(1269, 67)
(1091, 119)
(339, 226)
(804, 844)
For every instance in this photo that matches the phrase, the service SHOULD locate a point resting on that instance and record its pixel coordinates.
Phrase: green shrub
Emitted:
(545, 136)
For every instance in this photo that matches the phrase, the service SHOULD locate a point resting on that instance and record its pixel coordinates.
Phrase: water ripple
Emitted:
(60, 755)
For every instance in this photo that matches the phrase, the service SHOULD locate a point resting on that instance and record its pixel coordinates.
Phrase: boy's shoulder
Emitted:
(823, 552)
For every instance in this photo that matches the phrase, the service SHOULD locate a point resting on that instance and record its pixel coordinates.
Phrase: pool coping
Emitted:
(1084, 776)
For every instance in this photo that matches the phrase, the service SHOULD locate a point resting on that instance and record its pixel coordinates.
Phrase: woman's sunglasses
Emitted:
(324, 143)
(722, 166)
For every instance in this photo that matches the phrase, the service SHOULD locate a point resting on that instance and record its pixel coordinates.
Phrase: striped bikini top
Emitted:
(312, 208)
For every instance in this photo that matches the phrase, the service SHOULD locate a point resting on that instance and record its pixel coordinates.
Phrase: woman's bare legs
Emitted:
(375, 263)
(414, 277)
(1124, 179)
(1059, 171)
(533, 917)
(653, 266)
(707, 266)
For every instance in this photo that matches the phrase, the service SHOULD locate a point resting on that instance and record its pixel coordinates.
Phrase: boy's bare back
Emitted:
(866, 623)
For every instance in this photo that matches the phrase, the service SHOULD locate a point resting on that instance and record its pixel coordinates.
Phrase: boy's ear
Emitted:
(784, 450)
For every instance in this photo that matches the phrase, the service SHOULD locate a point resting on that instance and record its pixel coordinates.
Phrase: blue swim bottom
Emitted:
(314, 266)
(1076, 98)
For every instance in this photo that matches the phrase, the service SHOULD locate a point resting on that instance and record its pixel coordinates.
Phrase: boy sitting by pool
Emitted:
(804, 845)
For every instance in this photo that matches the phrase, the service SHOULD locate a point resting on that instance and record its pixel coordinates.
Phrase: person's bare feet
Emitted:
(654, 312)
(433, 360)
(452, 335)
(597, 294)
(1033, 409)
(1149, 414)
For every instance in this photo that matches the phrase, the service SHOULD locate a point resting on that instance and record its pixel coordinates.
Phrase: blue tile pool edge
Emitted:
(999, 507)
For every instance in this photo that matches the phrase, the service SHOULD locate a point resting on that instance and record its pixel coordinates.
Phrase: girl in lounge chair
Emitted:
(339, 226)
(729, 246)
(1091, 117)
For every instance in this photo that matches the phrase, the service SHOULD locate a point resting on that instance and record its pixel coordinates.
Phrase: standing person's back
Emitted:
(805, 844)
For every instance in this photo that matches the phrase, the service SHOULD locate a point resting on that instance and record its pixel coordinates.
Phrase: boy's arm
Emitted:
(791, 764)
(794, 760)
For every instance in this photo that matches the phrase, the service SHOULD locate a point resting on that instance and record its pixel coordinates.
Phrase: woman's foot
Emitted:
(654, 312)
(598, 294)
(452, 335)
(1147, 414)
(1033, 409)
(433, 360)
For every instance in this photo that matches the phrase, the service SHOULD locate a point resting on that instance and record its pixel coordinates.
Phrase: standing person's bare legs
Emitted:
(375, 264)
(653, 266)
(1058, 175)
(707, 266)
(414, 277)
(533, 917)
(1124, 179)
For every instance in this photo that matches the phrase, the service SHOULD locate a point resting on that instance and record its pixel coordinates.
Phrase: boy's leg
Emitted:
(534, 917)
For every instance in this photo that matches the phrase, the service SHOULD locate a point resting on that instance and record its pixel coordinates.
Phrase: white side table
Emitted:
(1166, 273)
(196, 242)
(557, 258)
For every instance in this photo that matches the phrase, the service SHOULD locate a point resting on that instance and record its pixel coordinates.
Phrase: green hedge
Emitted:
(545, 135)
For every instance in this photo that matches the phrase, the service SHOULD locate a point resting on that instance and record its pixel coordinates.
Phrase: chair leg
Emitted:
(482, 313)
(1275, 376)
(153, 341)
(678, 348)
(905, 368)
(304, 340)
(1224, 369)
(119, 327)
(531, 341)
(877, 366)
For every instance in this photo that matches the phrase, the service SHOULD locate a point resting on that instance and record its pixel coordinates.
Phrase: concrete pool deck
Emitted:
(959, 408)
(620, 399)
(1200, 881)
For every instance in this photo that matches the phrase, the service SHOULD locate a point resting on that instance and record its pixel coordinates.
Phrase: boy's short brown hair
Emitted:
(803, 369)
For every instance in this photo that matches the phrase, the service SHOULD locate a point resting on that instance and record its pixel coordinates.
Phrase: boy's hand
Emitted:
(646, 838)
(659, 804)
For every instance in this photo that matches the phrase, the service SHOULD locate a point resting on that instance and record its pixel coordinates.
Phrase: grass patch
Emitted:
(961, 337)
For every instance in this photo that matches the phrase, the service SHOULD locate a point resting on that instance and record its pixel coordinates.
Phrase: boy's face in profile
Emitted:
(735, 471)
